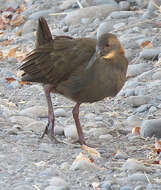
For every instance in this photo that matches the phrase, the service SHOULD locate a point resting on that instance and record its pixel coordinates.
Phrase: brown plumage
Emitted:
(82, 69)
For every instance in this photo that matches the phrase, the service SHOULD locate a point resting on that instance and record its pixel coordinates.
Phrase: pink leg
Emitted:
(49, 130)
(78, 125)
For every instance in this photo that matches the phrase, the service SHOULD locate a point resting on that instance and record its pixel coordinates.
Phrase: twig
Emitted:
(152, 1)
(80, 5)
(36, 187)
(62, 13)
(147, 178)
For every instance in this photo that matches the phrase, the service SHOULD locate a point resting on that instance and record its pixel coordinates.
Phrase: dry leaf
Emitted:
(12, 52)
(5, 43)
(158, 144)
(17, 21)
(91, 151)
(147, 44)
(10, 79)
(136, 131)
(96, 185)
(82, 156)
(2, 25)
(20, 9)
(24, 82)
(1, 55)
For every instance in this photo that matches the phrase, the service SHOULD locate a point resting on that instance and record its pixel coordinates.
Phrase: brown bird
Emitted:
(81, 69)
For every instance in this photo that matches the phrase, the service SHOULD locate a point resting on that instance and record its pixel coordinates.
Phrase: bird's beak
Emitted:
(93, 58)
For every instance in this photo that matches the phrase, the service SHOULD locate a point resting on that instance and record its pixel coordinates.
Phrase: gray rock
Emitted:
(60, 112)
(66, 4)
(59, 130)
(49, 172)
(89, 12)
(136, 69)
(151, 128)
(150, 53)
(133, 121)
(35, 112)
(23, 186)
(83, 165)
(121, 14)
(47, 148)
(138, 177)
(143, 108)
(124, 5)
(90, 116)
(96, 132)
(153, 186)
(140, 91)
(112, 2)
(157, 75)
(98, 118)
(106, 137)
(129, 92)
(21, 120)
(106, 185)
(138, 100)
(133, 165)
(132, 84)
(142, 3)
(121, 155)
(152, 109)
(119, 25)
(126, 188)
(140, 187)
(59, 182)
(29, 26)
(37, 126)
(52, 187)
(146, 76)
(105, 27)
(37, 14)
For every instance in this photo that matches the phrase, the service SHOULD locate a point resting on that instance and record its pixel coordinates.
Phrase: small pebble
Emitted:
(60, 112)
(70, 131)
(136, 101)
(133, 165)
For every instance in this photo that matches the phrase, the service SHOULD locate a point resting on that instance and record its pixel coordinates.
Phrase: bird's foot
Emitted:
(49, 131)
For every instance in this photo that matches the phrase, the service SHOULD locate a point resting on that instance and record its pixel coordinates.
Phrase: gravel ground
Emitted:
(127, 161)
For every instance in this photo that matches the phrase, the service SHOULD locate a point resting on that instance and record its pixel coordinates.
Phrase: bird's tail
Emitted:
(43, 33)
(33, 65)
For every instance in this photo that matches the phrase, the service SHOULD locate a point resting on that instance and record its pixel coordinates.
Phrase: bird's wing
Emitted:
(55, 61)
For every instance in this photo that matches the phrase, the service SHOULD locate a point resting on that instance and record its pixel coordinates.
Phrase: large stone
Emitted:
(75, 17)
(138, 100)
(151, 128)
(133, 165)
(22, 120)
(121, 14)
(136, 69)
(35, 112)
(29, 26)
(150, 53)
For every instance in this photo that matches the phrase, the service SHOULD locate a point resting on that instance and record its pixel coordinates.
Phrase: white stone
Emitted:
(70, 131)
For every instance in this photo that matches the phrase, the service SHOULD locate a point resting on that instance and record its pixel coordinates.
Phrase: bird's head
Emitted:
(107, 47)
(108, 44)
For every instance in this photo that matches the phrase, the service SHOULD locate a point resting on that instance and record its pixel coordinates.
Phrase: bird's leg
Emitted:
(49, 130)
(78, 125)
